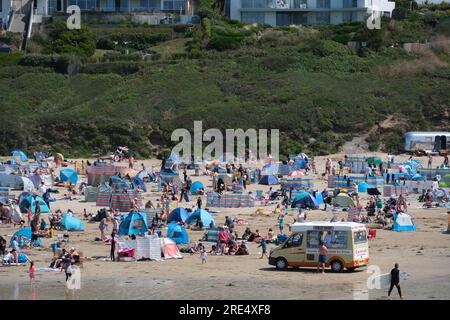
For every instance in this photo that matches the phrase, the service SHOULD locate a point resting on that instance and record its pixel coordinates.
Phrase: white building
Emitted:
(307, 12)
(5, 7)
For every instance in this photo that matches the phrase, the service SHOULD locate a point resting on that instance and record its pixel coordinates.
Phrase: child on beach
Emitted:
(203, 255)
(263, 246)
(32, 271)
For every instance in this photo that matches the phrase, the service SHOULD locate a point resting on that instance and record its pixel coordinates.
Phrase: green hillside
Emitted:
(133, 84)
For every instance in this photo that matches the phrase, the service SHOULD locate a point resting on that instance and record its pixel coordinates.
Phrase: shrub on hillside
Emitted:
(59, 63)
(122, 68)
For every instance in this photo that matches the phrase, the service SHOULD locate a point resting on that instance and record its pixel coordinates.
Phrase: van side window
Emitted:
(339, 240)
(360, 236)
(313, 238)
(295, 240)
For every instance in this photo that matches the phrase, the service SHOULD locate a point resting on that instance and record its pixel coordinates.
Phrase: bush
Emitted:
(10, 59)
(60, 63)
(116, 56)
(122, 68)
(181, 28)
(327, 48)
(105, 43)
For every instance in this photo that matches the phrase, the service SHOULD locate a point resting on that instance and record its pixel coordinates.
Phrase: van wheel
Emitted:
(336, 266)
(281, 264)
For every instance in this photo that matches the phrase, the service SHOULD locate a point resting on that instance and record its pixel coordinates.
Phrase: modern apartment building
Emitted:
(305, 12)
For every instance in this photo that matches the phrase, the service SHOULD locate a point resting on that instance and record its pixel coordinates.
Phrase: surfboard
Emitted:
(383, 281)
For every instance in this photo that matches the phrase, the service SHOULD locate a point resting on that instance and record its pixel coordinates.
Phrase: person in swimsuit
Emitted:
(323, 251)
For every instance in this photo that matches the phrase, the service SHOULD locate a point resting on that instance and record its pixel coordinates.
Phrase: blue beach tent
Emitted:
(133, 224)
(177, 233)
(178, 215)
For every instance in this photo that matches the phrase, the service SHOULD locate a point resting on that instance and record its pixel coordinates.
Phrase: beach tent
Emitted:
(177, 233)
(374, 160)
(196, 186)
(445, 181)
(418, 177)
(68, 175)
(201, 214)
(26, 233)
(269, 179)
(304, 200)
(30, 203)
(226, 178)
(19, 154)
(11, 181)
(134, 223)
(71, 223)
(403, 222)
(139, 183)
(170, 249)
(343, 200)
(27, 184)
(178, 215)
(362, 187)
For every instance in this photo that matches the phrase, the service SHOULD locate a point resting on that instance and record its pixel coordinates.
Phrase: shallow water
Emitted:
(154, 289)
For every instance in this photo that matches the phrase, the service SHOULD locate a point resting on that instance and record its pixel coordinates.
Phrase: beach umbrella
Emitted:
(374, 160)
(68, 175)
(19, 154)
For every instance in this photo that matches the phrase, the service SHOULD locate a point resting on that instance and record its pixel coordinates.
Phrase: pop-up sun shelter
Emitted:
(177, 233)
(26, 233)
(343, 200)
(403, 222)
(201, 214)
(139, 183)
(19, 154)
(133, 224)
(30, 203)
(269, 179)
(69, 175)
(196, 186)
(305, 200)
(71, 223)
(178, 215)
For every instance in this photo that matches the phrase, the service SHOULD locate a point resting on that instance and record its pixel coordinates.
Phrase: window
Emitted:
(360, 236)
(350, 4)
(322, 17)
(313, 239)
(300, 18)
(323, 3)
(301, 4)
(253, 17)
(295, 240)
(347, 16)
(339, 240)
(283, 19)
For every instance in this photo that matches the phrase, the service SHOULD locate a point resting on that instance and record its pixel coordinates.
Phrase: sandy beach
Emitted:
(425, 254)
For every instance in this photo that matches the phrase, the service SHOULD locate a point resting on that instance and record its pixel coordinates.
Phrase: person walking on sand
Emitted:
(263, 246)
(32, 271)
(430, 161)
(199, 203)
(395, 281)
(323, 252)
(113, 246)
(203, 255)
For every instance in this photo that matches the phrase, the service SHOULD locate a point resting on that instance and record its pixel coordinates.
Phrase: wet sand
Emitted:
(424, 254)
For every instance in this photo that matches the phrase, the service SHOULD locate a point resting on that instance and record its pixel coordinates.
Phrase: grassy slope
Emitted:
(329, 98)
